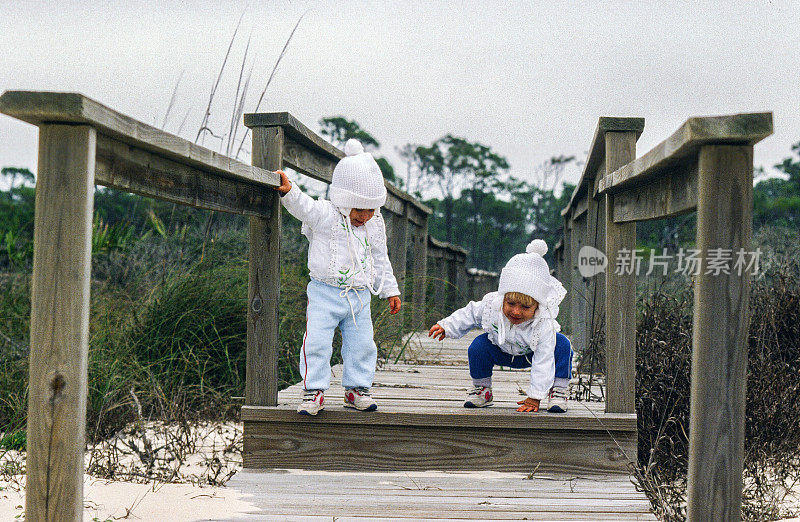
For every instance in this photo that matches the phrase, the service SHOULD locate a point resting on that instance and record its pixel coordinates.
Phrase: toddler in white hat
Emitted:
(348, 261)
(521, 331)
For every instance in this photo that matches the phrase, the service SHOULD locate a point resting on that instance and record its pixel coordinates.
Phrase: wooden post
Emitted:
(397, 230)
(620, 290)
(719, 340)
(577, 289)
(420, 275)
(599, 288)
(263, 296)
(440, 280)
(60, 322)
(454, 262)
(567, 271)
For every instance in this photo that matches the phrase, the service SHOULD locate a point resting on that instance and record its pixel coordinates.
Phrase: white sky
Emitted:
(530, 79)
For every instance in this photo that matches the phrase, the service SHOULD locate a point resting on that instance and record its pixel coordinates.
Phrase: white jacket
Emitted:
(537, 336)
(339, 254)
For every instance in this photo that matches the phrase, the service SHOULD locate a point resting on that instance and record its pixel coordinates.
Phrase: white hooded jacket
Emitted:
(534, 339)
(339, 254)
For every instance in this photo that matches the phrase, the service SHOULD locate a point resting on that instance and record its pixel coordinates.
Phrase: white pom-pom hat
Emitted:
(529, 274)
(357, 180)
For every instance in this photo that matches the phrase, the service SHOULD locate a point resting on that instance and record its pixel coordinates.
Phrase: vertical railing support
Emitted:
(720, 331)
(397, 232)
(263, 296)
(60, 323)
(620, 289)
(420, 274)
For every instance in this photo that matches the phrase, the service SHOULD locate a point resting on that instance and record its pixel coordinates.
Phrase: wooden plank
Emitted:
(720, 336)
(661, 197)
(450, 416)
(40, 108)
(125, 167)
(579, 208)
(668, 156)
(332, 447)
(261, 387)
(620, 323)
(60, 323)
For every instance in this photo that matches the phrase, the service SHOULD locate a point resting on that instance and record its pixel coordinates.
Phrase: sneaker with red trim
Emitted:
(479, 397)
(360, 399)
(557, 401)
(313, 402)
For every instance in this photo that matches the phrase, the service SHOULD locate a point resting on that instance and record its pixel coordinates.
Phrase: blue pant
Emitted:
(484, 355)
(326, 310)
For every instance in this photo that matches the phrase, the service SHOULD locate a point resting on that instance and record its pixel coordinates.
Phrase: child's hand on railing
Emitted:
(528, 405)
(436, 331)
(286, 185)
(394, 304)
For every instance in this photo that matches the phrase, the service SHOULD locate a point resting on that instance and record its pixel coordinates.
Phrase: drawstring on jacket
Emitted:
(358, 267)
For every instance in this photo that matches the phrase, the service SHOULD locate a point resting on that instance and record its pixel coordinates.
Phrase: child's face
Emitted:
(359, 216)
(517, 312)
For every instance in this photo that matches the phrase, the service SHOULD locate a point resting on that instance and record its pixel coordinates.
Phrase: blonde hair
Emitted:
(523, 299)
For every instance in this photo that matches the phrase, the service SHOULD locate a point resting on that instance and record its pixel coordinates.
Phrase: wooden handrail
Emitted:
(597, 152)
(707, 166)
(83, 143)
(681, 149)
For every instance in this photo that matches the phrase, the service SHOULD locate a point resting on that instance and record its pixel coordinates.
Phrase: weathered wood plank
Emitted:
(330, 446)
(720, 332)
(669, 155)
(125, 167)
(261, 387)
(40, 108)
(60, 323)
(620, 323)
(661, 197)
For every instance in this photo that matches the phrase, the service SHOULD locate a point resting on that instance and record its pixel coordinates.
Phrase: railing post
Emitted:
(263, 296)
(720, 335)
(420, 274)
(397, 237)
(597, 289)
(60, 322)
(620, 289)
(577, 293)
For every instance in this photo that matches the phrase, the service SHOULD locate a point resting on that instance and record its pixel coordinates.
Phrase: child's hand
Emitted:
(286, 185)
(528, 405)
(394, 304)
(436, 331)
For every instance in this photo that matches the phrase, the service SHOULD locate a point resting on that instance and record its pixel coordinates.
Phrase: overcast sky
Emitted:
(530, 79)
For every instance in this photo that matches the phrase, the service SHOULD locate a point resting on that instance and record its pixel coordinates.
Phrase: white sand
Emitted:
(104, 500)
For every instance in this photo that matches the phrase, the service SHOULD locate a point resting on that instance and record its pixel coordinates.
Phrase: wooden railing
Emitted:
(707, 166)
(83, 143)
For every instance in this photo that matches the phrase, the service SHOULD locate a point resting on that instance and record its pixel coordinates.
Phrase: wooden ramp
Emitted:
(421, 424)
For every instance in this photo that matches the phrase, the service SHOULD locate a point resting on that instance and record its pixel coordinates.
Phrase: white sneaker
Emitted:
(313, 402)
(360, 399)
(557, 401)
(479, 397)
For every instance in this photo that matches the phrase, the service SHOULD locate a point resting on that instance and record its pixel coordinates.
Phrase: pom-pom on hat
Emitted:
(357, 180)
(529, 274)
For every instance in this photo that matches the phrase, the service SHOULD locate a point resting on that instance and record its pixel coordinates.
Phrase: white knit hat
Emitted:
(529, 274)
(357, 180)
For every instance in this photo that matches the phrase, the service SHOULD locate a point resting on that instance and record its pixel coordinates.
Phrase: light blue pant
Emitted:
(327, 310)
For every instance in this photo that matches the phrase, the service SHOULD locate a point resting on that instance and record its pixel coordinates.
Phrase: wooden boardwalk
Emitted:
(422, 455)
